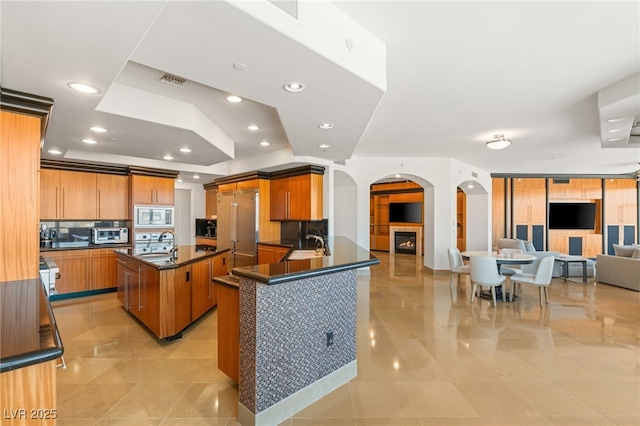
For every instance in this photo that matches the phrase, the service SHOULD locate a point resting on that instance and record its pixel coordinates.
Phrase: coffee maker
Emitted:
(46, 236)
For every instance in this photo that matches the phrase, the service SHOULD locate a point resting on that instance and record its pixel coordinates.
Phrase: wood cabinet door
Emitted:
(142, 189)
(103, 269)
(266, 254)
(49, 194)
(78, 195)
(164, 191)
(202, 292)
(279, 253)
(147, 298)
(211, 203)
(75, 270)
(113, 196)
(182, 288)
(279, 199)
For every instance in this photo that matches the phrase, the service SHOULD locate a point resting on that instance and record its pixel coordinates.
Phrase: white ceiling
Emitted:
(420, 78)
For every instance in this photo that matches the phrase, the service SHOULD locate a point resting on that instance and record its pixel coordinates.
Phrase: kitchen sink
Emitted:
(306, 254)
(157, 258)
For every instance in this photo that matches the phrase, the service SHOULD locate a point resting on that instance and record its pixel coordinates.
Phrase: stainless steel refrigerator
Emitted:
(238, 226)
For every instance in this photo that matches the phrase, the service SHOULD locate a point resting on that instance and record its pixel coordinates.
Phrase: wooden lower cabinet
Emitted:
(229, 331)
(84, 270)
(271, 254)
(168, 300)
(29, 395)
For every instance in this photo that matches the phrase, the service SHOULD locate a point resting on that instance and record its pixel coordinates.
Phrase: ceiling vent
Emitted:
(290, 7)
(172, 80)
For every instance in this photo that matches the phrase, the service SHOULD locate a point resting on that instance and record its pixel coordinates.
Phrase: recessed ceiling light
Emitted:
(239, 66)
(233, 98)
(323, 146)
(167, 157)
(185, 150)
(325, 126)
(294, 87)
(470, 186)
(196, 177)
(84, 88)
(89, 141)
(614, 130)
(614, 139)
(253, 127)
(97, 129)
(179, 180)
(54, 151)
(614, 120)
(264, 143)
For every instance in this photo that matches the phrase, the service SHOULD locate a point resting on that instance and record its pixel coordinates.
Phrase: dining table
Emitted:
(501, 259)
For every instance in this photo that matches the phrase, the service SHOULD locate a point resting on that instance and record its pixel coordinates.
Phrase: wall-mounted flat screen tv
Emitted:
(405, 212)
(572, 215)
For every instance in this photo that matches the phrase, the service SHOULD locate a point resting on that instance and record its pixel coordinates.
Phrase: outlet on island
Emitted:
(329, 338)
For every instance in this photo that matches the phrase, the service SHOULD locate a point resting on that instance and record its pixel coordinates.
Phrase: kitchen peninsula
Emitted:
(168, 293)
(297, 326)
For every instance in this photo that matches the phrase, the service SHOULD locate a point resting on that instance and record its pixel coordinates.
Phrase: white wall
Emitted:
(192, 207)
(345, 210)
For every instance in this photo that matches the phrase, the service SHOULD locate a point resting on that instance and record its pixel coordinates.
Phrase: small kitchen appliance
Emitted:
(49, 273)
(150, 242)
(46, 236)
(153, 217)
(109, 235)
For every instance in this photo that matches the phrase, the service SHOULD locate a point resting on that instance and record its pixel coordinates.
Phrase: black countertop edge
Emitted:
(296, 276)
(36, 357)
(85, 247)
(175, 264)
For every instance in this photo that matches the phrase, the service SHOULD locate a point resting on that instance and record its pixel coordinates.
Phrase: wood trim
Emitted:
(28, 104)
(84, 167)
(298, 171)
(148, 171)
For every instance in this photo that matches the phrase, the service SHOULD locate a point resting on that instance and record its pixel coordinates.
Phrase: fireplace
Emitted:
(405, 242)
(405, 239)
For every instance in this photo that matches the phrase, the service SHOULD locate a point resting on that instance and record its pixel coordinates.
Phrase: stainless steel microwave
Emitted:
(153, 217)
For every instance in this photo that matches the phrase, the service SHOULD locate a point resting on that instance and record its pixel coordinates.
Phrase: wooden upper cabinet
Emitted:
(113, 199)
(529, 201)
(211, 203)
(297, 198)
(621, 205)
(67, 195)
(576, 189)
(152, 190)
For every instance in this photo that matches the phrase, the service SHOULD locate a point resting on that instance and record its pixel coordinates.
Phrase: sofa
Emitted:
(574, 269)
(622, 269)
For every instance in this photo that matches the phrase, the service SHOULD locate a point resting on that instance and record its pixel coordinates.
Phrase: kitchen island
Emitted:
(166, 293)
(297, 327)
(29, 348)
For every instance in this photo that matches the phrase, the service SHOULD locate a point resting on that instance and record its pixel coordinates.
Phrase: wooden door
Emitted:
(279, 199)
(164, 191)
(78, 195)
(103, 269)
(229, 331)
(113, 197)
(211, 203)
(300, 197)
(142, 189)
(49, 194)
(75, 270)
(181, 288)
(147, 307)
(202, 294)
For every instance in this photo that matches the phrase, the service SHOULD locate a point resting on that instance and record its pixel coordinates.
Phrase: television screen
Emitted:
(572, 215)
(405, 212)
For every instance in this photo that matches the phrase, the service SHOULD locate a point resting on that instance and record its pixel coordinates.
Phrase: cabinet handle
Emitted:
(140, 307)
(57, 203)
(99, 212)
(62, 204)
(210, 280)
(126, 290)
(188, 276)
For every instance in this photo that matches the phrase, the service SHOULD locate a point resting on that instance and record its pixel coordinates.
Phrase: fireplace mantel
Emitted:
(392, 237)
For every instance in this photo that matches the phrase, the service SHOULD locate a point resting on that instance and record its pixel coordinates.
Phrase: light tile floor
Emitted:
(426, 356)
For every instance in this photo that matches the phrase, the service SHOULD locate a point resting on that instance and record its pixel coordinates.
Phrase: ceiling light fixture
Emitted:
(54, 151)
(614, 130)
(294, 87)
(83, 87)
(196, 177)
(234, 99)
(89, 141)
(185, 150)
(323, 146)
(499, 142)
(253, 127)
(614, 120)
(179, 180)
(325, 126)
(98, 129)
(614, 139)
(264, 143)
(167, 157)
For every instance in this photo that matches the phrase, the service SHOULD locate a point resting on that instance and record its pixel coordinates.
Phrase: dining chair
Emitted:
(541, 278)
(511, 270)
(484, 272)
(456, 265)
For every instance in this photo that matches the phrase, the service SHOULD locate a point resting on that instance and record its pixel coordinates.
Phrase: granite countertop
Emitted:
(28, 331)
(186, 255)
(80, 245)
(344, 254)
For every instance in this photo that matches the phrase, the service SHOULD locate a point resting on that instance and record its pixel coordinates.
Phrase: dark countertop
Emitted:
(186, 255)
(28, 331)
(80, 245)
(344, 254)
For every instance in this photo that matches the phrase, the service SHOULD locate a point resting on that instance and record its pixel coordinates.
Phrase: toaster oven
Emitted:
(109, 235)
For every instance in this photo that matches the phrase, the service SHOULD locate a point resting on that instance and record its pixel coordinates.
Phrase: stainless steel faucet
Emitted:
(174, 248)
(317, 238)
